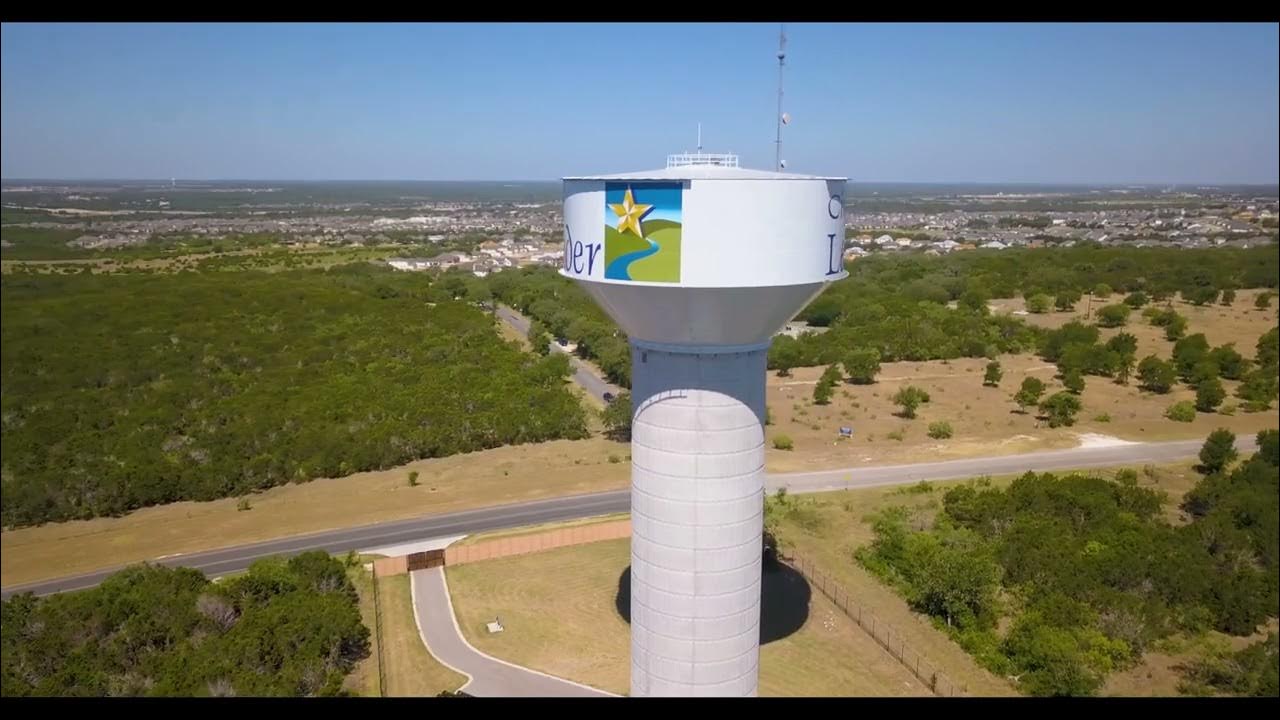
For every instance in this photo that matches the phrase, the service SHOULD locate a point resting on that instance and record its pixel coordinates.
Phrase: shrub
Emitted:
(244, 504)
(1029, 393)
(940, 430)
(413, 478)
(991, 378)
(614, 459)
(1039, 303)
(1113, 316)
(910, 398)
(783, 442)
(897, 435)
(1136, 299)
(1103, 418)
(1184, 411)
(1061, 409)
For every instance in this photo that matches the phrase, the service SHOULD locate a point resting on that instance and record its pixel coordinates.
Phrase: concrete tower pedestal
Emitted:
(697, 513)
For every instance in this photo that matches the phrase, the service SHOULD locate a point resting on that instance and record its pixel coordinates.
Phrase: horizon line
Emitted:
(1079, 183)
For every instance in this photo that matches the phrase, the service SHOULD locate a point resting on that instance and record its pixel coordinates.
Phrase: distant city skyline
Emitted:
(1111, 104)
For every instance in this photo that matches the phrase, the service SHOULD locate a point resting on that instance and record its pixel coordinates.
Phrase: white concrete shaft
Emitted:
(697, 513)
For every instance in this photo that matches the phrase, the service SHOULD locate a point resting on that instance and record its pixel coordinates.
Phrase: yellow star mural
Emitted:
(630, 214)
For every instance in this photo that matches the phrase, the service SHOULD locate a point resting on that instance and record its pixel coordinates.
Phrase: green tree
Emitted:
(1124, 368)
(1156, 375)
(784, 355)
(1136, 299)
(1060, 409)
(539, 338)
(1102, 290)
(1209, 394)
(1263, 300)
(955, 579)
(1230, 363)
(1066, 300)
(1269, 446)
(1189, 351)
(1219, 450)
(1073, 381)
(616, 417)
(1200, 294)
(1029, 393)
(1267, 351)
(1050, 658)
(1228, 297)
(1259, 388)
(975, 300)
(1204, 370)
(1113, 316)
(991, 378)
(1175, 328)
(910, 398)
(1039, 303)
(825, 388)
(862, 365)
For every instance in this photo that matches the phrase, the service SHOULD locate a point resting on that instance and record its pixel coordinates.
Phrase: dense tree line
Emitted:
(121, 391)
(285, 628)
(1091, 570)
(900, 307)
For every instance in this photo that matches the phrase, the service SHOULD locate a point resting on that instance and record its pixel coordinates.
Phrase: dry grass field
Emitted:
(985, 420)
(492, 477)
(561, 616)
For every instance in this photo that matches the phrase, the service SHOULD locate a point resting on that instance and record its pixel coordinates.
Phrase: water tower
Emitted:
(700, 263)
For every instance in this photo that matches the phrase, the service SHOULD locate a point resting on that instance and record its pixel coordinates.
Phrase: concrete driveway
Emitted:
(487, 675)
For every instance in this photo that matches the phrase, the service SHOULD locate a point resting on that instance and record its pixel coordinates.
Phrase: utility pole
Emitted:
(782, 60)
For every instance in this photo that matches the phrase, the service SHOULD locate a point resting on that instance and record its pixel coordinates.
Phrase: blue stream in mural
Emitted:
(619, 268)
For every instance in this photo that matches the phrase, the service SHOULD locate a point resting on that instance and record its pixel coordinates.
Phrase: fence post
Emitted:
(377, 630)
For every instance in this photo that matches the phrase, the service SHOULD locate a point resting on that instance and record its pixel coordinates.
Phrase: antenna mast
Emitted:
(782, 59)
(699, 138)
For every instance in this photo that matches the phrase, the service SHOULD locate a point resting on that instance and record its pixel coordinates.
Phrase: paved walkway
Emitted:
(487, 676)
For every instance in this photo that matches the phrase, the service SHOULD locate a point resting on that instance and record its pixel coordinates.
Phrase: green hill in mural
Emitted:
(617, 244)
(663, 266)
(653, 226)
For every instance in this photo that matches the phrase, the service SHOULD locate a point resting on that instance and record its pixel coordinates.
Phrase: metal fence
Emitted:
(884, 634)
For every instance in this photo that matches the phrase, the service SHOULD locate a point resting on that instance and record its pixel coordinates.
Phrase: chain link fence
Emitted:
(883, 633)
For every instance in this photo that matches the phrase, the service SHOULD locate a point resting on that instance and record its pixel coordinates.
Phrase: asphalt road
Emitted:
(585, 375)
(217, 562)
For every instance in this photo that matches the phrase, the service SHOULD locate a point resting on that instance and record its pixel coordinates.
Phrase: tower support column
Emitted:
(697, 512)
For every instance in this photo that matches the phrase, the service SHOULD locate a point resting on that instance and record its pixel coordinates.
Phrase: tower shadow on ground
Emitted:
(784, 599)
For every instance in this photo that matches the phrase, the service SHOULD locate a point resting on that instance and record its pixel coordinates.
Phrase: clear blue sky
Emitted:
(1107, 103)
